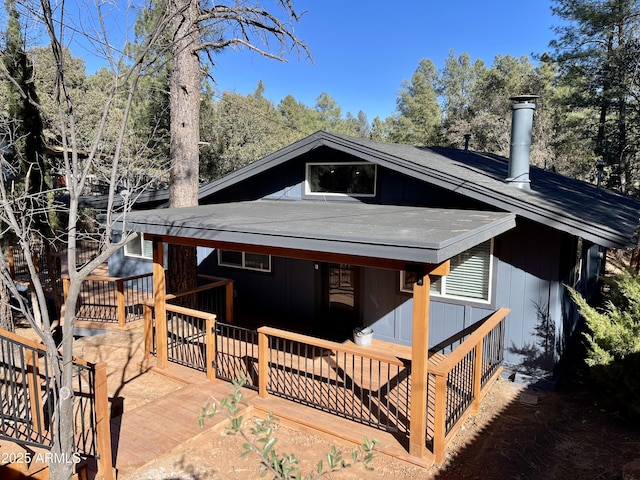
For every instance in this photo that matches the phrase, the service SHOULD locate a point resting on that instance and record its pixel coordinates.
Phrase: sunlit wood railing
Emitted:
(215, 295)
(115, 300)
(47, 269)
(237, 354)
(187, 336)
(27, 390)
(360, 383)
(370, 385)
(462, 379)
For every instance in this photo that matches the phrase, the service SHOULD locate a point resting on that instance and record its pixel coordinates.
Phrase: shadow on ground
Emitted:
(545, 435)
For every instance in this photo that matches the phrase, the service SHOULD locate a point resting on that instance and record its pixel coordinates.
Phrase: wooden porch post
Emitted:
(66, 284)
(477, 377)
(440, 418)
(263, 363)
(103, 427)
(419, 362)
(159, 302)
(35, 395)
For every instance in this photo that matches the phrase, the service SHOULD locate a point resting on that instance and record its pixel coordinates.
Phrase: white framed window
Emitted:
(354, 179)
(138, 247)
(245, 260)
(469, 278)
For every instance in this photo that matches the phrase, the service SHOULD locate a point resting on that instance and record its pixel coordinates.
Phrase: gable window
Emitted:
(356, 179)
(469, 276)
(244, 260)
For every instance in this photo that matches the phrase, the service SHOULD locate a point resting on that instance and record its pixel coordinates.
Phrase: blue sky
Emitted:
(363, 50)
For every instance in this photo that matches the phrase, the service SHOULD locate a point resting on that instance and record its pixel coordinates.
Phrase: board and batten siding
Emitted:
(528, 279)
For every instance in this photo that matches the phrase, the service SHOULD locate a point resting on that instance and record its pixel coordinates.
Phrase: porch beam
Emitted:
(419, 362)
(159, 302)
(330, 257)
(441, 269)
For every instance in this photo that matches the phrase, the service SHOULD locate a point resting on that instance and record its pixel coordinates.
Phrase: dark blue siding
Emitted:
(287, 293)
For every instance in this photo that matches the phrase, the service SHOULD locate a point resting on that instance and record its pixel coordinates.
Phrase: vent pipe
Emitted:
(519, 152)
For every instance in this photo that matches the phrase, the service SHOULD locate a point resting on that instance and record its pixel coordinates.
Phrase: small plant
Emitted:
(260, 441)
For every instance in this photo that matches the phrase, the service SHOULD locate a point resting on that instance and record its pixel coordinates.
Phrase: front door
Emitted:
(340, 298)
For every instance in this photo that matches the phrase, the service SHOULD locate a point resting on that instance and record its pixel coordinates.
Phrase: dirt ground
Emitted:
(558, 438)
(518, 434)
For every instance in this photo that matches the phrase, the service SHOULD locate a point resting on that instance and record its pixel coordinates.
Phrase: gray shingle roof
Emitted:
(576, 207)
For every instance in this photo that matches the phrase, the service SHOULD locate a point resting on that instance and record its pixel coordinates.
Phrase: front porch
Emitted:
(372, 386)
(351, 389)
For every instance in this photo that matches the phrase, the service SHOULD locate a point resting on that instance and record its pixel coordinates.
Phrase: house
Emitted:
(457, 260)
(515, 235)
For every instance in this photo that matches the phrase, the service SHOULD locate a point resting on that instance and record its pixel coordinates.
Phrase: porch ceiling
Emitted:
(398, 233)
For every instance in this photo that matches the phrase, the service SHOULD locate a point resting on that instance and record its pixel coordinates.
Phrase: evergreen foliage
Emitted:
(419, 116)
(613, 343)
(597, 48)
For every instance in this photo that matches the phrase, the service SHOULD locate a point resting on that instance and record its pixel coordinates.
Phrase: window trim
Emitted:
(141, 242)
(307, 184)
(458, 298)
(244, 262)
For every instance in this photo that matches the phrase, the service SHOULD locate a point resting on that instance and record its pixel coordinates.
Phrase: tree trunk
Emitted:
(185, 134)
(185, 106)
(62, 468)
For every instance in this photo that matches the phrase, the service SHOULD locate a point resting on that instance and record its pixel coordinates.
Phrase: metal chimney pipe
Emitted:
(520, 150)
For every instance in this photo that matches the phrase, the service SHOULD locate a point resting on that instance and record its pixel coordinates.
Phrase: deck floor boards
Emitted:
(148, 432)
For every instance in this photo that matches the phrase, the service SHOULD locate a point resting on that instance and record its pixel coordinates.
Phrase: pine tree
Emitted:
(22, 106)
(598, 51)
(418, 120)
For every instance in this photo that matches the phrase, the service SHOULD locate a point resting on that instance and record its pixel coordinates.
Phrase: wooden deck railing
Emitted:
(187, 335)
(371, 385)
(112, 300)
(353, 382)
(461, 380)
(86, 250)
(215, 295)
(28, 393)
(48, 270)
(237, 354)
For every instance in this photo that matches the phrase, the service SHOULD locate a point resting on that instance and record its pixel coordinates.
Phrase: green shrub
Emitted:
(612, 340)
